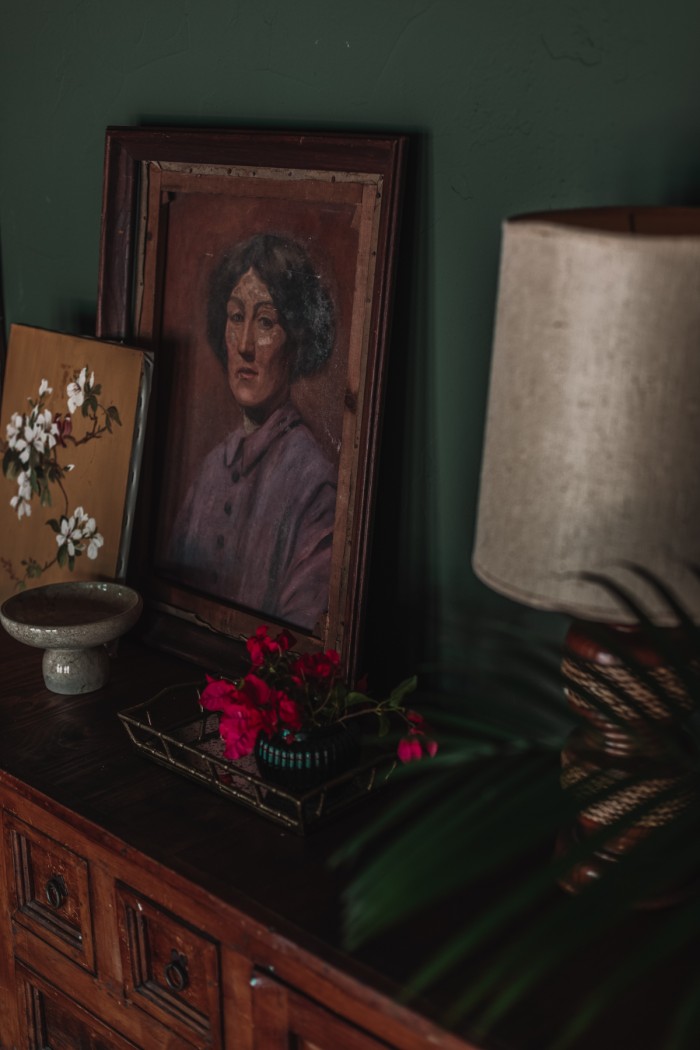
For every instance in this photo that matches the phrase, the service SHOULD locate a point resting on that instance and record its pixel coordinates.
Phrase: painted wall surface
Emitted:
(512, 105)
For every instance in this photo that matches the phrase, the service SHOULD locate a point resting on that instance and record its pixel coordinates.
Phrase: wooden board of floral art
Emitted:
(71, 426)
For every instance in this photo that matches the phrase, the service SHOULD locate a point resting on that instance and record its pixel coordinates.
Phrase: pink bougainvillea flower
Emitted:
(300, 668)
(256, 692)
(246, 710)
(327, 664)
(414, 746)
(416, 720)
(217, 695)
(285, 641)
(291, 715)
(239, 729)
(285, 693)
(253, 692)
(409, 749)
(260, 645)
(317, 666)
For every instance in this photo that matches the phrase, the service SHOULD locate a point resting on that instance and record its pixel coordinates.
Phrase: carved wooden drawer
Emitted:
(50, 1020)
(283, 1018)
(171, 970)
(50, 893)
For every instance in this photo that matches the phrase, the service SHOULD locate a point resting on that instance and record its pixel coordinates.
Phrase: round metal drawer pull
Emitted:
(176, 976)
(56, 892)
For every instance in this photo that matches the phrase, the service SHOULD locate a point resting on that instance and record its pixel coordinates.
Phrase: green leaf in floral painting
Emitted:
(113, 413)
(10, 464)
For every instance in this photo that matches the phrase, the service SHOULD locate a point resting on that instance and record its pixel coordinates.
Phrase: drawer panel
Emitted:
(171, 970)
(52, 1021)
(50, 893)
(283, 1018)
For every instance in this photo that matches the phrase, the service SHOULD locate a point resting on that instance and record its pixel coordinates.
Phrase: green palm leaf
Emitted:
(491, 801)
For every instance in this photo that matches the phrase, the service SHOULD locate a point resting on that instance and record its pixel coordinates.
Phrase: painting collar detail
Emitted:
(246, 450)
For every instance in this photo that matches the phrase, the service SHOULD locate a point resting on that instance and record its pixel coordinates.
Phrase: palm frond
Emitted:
(492, 801)
(455, 826)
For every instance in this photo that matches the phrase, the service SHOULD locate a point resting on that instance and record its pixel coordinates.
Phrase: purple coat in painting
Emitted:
(256, 527)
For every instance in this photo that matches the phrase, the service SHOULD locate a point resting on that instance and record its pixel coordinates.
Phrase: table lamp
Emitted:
(590, 488)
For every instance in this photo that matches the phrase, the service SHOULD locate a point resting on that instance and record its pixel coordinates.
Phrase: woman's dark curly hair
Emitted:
(303, 304)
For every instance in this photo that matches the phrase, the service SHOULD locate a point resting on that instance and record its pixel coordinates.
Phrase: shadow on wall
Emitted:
(3, 334)
(78, 317)
(398, 627)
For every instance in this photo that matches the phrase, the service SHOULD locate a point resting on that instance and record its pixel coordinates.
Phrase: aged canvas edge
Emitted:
(137, 447)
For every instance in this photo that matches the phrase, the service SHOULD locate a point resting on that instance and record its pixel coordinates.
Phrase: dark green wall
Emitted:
(513, 105)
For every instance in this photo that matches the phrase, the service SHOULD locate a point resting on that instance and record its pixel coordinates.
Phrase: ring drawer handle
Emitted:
(56, 892)
(176, 976)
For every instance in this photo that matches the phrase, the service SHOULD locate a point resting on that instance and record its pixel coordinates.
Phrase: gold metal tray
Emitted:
(171, 728)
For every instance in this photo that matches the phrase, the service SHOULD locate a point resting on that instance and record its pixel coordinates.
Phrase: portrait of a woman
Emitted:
(256, 526)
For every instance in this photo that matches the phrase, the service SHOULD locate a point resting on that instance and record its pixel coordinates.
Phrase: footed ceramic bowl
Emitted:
(72, 623)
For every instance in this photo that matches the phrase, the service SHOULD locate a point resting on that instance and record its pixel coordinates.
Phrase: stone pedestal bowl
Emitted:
(72, 623)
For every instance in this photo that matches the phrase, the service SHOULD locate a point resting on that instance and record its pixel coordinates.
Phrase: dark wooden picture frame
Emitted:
(307, 223)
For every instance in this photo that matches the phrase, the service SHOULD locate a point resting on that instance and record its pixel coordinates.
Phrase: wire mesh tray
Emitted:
(172, 729)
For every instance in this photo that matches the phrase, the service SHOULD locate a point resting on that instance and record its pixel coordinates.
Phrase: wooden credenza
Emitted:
(140, 910)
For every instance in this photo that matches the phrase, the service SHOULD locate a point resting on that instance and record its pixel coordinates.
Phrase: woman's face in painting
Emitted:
(256, 344)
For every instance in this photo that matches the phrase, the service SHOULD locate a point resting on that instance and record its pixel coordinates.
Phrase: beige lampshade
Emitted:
(592, 444)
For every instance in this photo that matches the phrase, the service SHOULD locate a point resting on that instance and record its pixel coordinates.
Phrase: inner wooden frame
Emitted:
(173, 199)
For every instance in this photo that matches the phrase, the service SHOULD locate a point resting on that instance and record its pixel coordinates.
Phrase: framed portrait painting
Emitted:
(259, 268)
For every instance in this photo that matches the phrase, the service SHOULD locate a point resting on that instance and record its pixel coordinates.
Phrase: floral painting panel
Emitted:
(69, 415)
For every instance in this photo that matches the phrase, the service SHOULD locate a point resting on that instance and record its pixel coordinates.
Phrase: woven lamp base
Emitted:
(631, 765)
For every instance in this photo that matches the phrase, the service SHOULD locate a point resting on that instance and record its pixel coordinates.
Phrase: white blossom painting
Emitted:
(70, 410)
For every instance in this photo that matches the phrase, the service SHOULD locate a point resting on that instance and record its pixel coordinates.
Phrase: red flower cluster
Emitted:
(247, 708)
(323, 667)
(261, 647)
(416, 744)
(285, 692)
